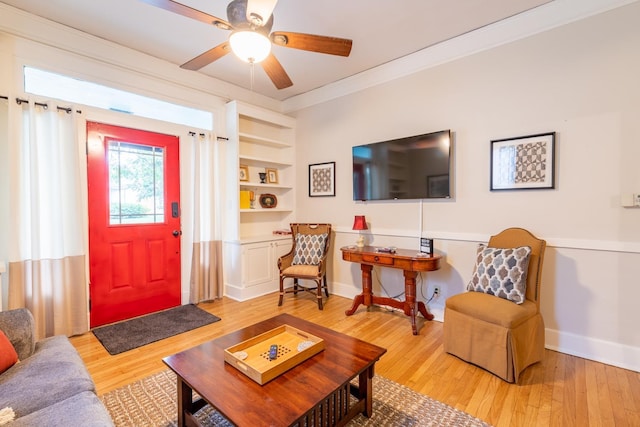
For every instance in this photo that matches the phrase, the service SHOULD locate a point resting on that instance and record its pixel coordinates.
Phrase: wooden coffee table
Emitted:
(316, 391)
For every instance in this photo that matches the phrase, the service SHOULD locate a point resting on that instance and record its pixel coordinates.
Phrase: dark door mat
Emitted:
(129, 334)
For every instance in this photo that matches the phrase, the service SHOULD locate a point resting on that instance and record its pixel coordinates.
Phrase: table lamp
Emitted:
(359, 223)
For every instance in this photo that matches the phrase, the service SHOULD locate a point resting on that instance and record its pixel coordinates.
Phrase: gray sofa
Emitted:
(49, 386)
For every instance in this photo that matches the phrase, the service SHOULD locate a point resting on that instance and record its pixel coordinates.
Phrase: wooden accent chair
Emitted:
(306, 260)
(490, 331)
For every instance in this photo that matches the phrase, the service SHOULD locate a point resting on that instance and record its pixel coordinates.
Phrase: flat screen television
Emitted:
(414, 167)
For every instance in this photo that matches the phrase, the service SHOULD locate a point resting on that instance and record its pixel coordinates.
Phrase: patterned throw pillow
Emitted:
(501, 272)
(309, 249)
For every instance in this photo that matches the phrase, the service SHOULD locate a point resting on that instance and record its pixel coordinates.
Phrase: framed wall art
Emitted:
(523, 163)
(272, 175)
(322, 179)
(244, 173)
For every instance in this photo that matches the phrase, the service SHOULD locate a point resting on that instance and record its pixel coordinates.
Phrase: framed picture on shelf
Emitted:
(322, 179)
(244, 173)
(523, 163)
(272, 176)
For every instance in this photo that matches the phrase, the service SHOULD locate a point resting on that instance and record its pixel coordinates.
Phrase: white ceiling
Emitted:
(381, 30)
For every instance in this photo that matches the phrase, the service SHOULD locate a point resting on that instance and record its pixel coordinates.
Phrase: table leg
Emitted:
(366, 390)
(411, 306)
(184, 401)
(366, 297)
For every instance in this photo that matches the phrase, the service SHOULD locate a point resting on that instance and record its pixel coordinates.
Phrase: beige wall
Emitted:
(579, 80)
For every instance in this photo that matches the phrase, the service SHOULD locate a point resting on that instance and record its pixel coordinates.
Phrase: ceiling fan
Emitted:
(250, 23)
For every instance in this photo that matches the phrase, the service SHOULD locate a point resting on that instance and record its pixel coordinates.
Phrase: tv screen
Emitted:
(415, 167)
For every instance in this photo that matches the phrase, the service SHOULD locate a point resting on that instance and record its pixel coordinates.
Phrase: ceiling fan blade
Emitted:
(189, 12)
(312, 43)
(276, 72)
(208, 57)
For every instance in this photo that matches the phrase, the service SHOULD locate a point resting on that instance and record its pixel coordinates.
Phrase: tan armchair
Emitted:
(306, 260)
(493, 332)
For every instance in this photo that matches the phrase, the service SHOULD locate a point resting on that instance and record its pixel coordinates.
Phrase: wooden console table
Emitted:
(404, 259)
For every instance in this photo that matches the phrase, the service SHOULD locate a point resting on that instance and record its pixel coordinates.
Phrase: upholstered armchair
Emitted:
(307, 260)
(497, 324)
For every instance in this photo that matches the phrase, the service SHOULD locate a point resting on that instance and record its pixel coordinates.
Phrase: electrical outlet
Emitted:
(436, 290)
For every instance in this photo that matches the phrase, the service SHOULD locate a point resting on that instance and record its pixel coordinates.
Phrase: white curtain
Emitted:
(47, 269)
(203, 185)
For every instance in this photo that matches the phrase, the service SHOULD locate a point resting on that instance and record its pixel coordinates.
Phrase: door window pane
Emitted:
(136, 183)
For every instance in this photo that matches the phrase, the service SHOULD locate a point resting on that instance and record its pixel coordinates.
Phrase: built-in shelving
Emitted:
(259, 141)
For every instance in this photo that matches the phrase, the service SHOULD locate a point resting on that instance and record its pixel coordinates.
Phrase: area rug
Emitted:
(129, 334)
(151, 402)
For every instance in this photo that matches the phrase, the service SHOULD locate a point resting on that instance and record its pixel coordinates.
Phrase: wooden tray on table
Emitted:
(251, 357)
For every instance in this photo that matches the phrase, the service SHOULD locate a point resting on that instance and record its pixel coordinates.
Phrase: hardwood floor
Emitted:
(563, 390)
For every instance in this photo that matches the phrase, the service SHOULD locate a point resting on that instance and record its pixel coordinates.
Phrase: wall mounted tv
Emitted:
(415, 167)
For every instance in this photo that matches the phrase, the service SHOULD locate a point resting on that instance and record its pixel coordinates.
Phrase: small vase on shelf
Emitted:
(263, 177)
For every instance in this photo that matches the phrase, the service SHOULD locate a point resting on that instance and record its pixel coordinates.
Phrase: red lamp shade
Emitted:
(359, 223)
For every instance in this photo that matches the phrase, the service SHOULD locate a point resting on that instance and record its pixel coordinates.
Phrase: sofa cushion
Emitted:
(83, 409)
(19, 326)
(8, 355)
(53, 373)
(501, 272)
(309, 248)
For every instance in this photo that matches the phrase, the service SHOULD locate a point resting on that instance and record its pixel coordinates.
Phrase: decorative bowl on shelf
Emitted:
(268, 201)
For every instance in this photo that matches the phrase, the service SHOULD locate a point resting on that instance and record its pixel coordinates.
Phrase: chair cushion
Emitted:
(309, 249)
(8, 355)
(301, 270)
(492, 310)
(501, 272)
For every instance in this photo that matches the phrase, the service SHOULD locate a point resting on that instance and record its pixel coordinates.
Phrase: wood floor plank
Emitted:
(581, 411)
(561, 390)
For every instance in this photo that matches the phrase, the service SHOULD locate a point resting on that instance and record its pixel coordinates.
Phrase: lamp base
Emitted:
(360, 242)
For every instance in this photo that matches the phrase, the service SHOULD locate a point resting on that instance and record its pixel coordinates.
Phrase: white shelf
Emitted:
(269, 142)
(260, 161)
(247, 184)
(265, 210)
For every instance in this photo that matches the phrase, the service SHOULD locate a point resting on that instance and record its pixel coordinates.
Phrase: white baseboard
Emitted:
(607, 352)
(610, 353)
(243, 294)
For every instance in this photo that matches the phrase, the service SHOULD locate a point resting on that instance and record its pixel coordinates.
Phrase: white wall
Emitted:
(579, 80)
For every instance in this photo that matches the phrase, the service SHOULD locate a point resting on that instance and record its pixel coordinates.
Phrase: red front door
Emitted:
(134, 224)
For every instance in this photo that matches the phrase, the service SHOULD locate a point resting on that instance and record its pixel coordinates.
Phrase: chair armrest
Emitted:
(285, 261)
(19, 326)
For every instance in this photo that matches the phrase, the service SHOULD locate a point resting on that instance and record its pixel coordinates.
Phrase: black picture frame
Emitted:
(322, 179)
(523, 162)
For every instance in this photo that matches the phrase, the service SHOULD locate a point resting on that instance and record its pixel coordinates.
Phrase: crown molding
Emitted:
(540, 19)
(60, 38)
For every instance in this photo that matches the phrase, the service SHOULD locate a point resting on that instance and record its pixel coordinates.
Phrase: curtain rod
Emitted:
(219, 138)
(44, 105)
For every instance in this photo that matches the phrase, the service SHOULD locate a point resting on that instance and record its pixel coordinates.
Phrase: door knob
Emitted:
(176, 233)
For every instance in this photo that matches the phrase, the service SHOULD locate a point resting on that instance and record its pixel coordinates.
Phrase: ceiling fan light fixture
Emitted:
(250, 46)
